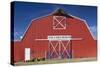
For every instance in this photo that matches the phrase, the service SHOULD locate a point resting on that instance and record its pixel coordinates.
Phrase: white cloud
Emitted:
(17, 35)
(93, 29)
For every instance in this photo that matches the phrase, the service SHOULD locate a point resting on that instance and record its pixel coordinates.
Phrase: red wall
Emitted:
(42, 27)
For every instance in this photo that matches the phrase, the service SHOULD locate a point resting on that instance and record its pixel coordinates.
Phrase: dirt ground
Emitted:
(53, 61)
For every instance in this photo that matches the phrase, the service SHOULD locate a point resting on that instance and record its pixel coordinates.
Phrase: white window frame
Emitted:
(59, 22)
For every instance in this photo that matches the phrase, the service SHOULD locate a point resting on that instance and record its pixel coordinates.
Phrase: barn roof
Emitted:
(61, 12)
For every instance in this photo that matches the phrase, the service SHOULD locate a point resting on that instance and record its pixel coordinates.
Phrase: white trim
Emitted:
(76, 38)
(58, 40)
(65, 48)
(59, 37)
(59, 44)
(59, 49)
(54, 48)
(90, 30)
(40, 39)
(59, 23)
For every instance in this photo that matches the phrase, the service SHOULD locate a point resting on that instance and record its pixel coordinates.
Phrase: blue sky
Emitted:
(24, 12)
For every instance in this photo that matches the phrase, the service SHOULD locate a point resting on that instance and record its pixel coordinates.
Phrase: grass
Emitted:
(53, 61)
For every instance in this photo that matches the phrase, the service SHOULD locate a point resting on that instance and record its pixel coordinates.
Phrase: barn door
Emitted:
(60, 46)
(27, 54)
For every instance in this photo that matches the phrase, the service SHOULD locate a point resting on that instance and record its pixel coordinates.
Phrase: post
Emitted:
(70, 49)
(49, 49)
(45, 54)
(59, 49)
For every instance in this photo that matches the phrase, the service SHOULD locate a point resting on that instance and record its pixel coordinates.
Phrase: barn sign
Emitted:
(59, 37)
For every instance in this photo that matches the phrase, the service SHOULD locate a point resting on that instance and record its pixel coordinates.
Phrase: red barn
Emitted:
(55, 36)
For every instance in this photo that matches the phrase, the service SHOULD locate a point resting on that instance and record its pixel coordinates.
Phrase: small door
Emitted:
(27, 54)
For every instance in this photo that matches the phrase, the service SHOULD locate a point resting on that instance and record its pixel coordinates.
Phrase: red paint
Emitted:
(42, 27)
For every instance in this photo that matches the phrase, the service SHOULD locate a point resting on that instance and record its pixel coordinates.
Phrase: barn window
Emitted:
(59, 22)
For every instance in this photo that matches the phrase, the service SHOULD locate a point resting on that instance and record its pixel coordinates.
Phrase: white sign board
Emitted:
(59, 37)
